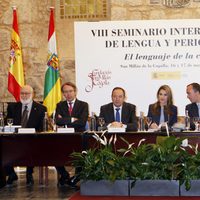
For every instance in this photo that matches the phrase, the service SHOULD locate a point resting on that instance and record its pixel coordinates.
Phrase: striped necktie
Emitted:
(70, 108)
(24, 117)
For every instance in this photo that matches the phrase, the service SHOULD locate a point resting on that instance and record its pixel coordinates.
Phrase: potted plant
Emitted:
(191, 178)
(163, 164)
(102, 169)
(155, 168)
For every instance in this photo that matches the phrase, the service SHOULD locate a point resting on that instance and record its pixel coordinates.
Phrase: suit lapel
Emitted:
(32, 113)
(18, 113)
(75, 107)
(195, 109)
(65, 109)
(124, 112)
(157, 117)
(112, 113)
(166, 117)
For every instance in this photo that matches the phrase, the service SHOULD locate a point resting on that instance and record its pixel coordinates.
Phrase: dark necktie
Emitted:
(117, 117)
(70, 108)
(24, 117)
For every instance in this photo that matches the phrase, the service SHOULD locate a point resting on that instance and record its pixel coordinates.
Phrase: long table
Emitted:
(54, 149)
(39, 149)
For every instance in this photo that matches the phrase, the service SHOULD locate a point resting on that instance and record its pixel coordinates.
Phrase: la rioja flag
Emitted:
(52, 85)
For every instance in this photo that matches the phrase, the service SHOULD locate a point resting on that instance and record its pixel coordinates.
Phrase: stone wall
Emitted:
(33, 19)
(144, 10)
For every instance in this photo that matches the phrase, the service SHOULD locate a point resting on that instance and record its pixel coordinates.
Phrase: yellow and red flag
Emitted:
(16, 71)
(52, 85)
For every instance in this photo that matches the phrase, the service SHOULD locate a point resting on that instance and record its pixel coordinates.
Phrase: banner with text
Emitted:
(139, 56)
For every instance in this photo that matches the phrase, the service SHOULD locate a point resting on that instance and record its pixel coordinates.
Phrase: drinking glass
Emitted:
(101, 122)
(196, 123)
(10, 123)
(148, 121)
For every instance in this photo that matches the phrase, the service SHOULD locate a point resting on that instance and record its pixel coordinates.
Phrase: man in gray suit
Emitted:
(118, 113)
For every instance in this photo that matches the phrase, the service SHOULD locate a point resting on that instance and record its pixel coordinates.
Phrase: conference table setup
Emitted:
(99, 91)
(54, 149)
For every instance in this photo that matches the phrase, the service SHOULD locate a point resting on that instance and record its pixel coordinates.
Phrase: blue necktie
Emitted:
(117, 117)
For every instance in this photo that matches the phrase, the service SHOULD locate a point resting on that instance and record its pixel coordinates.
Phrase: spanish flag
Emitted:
(16, 71)
(52, 85)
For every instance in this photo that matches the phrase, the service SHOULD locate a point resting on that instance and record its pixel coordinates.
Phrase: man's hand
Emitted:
(154, 126)
(73, 119)
(116, 124)
(59, 116)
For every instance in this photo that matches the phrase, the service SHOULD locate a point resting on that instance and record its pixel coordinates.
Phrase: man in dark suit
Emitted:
(72, 113)
(193, 94)
(119, 113)
(28, 114)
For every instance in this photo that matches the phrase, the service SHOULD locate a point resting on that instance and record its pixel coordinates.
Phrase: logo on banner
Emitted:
(98, 78)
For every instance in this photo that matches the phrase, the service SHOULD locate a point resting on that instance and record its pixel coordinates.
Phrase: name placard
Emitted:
(26, 130)
(11, 129)
(116, 130)
(65, 130)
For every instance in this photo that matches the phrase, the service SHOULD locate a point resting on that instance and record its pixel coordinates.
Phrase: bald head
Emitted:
(26, 88)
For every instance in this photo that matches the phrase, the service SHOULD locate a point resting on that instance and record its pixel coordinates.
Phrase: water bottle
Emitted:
(187, 121)
(93, 122)
(45, 123)
(1, 122)
(141, 122)
(54, 122)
